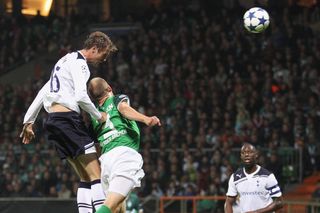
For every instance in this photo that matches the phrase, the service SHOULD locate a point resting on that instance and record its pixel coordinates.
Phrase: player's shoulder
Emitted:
(75, 57)
(79, 56)
(238, 175)
(121, 97)
(76, 60)
(263, 172)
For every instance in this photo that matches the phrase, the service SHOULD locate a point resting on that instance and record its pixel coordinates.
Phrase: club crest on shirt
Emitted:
(109, 107)
(84, 68)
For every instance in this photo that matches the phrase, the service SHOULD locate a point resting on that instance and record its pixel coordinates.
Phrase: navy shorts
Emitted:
(68, 133)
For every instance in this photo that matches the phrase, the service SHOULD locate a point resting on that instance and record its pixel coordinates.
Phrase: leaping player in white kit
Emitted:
(62, 97)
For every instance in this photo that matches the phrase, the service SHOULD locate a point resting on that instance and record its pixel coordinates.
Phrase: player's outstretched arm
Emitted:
(228, 204)
(131, 114)
(27, 133)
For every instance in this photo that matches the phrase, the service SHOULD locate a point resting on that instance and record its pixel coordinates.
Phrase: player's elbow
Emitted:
(228, 204)
(278, 204)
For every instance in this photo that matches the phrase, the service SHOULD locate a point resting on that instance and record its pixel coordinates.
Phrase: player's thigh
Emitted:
(90, 164)
(77, 167)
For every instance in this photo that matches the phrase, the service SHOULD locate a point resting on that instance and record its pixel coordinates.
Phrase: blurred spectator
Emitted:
(64, 192)
(275, 166)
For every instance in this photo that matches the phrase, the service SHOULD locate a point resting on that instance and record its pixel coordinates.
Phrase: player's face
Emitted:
(103, 55)
(248, 155)
(100, 56)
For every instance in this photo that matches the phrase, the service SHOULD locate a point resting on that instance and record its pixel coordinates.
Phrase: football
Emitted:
(256, 20)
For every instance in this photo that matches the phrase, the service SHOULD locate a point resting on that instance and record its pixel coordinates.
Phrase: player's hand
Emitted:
(103, 117)
(27, 133)
(153, 121)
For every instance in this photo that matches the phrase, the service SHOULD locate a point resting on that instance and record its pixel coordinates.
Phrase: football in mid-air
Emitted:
(256, 20)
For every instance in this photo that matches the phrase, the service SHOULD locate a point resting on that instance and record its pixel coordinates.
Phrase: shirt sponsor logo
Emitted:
(251, 193)
(113, 136)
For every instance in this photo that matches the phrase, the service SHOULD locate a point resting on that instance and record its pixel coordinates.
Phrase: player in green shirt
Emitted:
(133, 203)
(119, 138)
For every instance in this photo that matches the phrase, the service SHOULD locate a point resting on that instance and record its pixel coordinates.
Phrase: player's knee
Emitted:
(112, 206)
(114, 201)
(122, 207)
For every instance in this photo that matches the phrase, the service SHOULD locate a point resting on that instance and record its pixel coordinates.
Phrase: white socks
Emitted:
(97, 193)
(84, 198)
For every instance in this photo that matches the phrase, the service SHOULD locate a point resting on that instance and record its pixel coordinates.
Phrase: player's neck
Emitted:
(102, 100)
(84, 53)
(251, 168)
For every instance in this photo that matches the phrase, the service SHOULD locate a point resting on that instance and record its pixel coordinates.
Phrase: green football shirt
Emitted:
(132, 203)
(117, 130)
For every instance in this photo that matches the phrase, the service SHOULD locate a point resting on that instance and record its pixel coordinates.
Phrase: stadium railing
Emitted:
(174, 204)
(188, 203)
(191, 204)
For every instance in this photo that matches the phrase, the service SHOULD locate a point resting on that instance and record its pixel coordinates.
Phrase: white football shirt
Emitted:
(255, 190)
(67, 86)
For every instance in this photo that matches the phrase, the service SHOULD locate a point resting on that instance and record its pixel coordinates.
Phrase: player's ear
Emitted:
(109, 89)
(94, 49)
(257, 154)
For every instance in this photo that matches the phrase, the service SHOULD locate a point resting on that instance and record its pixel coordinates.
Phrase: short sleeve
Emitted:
(232, 190)
(273, 187)
(119, 98)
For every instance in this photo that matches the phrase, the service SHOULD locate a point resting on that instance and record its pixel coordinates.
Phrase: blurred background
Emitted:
(191, 62)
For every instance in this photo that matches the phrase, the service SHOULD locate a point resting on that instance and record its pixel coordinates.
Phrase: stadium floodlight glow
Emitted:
(30, 7)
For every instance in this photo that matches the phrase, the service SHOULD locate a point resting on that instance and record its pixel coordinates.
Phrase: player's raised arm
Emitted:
(130, 113)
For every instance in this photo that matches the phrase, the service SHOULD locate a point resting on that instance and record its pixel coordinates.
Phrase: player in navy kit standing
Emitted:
(62, 97)
(256, 187)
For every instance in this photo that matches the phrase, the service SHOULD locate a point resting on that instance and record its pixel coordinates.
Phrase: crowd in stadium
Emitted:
(22, 38)
(213, 85)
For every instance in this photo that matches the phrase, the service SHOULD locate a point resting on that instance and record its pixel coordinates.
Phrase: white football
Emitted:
(256, 20)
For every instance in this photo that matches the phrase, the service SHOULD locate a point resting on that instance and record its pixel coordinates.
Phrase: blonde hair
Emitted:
(101, 41)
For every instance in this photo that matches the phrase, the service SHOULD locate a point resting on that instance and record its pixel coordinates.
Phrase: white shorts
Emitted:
(121, 170)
